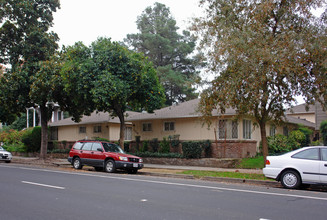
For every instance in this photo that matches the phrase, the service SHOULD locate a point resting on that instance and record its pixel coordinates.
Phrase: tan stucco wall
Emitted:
(192, 129)
(188, 129)
(71, 133)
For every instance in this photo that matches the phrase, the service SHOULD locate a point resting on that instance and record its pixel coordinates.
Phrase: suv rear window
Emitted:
(78, 145)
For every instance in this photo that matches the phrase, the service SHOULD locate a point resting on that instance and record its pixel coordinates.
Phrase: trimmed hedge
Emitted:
(192, 149)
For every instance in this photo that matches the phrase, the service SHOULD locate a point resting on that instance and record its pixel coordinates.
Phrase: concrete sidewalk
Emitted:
(63, 162)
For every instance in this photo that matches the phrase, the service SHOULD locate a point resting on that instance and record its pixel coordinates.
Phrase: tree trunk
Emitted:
(120, 115)
(264, 141)
(44, 132)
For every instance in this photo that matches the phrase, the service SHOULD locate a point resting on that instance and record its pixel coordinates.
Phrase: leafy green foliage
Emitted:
(157, 154)
(323, 131)
(191, 149)
(278, 144)
(164, 146)
(154, 143)
(32, 139)
(108, 77)
(265, 53)
(28, 46)
(169, 51)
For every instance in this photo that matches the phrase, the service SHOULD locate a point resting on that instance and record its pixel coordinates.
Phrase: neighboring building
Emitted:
(98, 124)
(301, 112)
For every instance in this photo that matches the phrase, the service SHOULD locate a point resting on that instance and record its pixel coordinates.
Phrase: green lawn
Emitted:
(246, 163)
(199, 174)
(251, 163)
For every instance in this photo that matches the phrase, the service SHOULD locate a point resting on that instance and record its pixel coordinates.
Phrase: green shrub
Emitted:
(323, 131)
(192, 149)
(145, 146)
(164, 146)
(154, 143)
(278, 144)
(296, 140)
(32, 139)
(126, 146)
(158, 155)
(307, 132)
(206, 145)
(16, 147)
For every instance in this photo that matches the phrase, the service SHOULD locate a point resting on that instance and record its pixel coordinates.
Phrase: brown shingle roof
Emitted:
(186, 109)
(94, 118)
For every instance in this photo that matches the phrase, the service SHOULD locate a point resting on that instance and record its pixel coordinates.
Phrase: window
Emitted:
(82, 130)
(59, 115)
(227, 129)
(169, 126)
(95, 146)
(87, 146)
(147, 127)
(78, 145)
(324, 154)
(310, 154)
(97, 129)
(272, 131)
(247, 129)
(128, 133)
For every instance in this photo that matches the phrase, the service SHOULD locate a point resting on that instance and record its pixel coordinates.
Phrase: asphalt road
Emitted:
(36, 193)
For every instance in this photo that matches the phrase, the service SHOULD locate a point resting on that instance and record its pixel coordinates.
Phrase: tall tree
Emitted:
(169, 51)
(265, 53)
(109, 77)
(26, 46)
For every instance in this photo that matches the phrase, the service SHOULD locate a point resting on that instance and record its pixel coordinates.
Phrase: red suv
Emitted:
(103, 155)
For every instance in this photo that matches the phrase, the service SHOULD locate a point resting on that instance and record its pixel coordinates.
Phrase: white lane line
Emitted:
(44, 185)
(176, 184)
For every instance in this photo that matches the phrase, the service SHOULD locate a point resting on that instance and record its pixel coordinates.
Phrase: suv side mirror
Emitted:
(100, 149)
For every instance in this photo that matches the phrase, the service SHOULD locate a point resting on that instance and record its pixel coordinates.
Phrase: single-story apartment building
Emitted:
(230, 137)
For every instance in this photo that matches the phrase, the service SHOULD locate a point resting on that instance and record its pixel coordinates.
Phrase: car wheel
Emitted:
(132, 171)
(77, 163)
(110, 166)
(290, 179)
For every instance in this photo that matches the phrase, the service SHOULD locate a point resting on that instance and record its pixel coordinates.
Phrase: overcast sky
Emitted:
(86, 20)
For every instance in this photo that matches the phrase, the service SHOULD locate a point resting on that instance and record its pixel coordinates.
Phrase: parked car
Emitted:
(103, 155)
(5, 155)
(303, 166)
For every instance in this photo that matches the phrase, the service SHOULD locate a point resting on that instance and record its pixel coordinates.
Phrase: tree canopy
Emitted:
(108, 77)
(27, 47)
(169, 51)
(264, 54)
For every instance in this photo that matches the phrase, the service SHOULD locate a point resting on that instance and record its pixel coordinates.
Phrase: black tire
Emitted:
(77, 163)
(110, 166)
(8, 161)
(290, 179)
(132, 171)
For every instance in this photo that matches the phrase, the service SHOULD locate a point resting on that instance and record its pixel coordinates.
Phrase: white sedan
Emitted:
(5, 155)
(303, 166)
